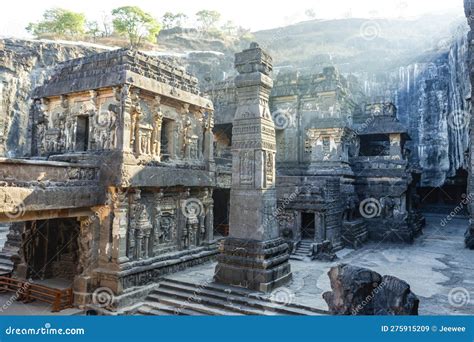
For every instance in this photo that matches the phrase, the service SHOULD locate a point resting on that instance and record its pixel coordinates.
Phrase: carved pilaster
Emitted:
(120, 225)
(208, 125)
(124, 131)
(156, 133)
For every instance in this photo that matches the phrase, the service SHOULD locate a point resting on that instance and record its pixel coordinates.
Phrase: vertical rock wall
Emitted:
(431, 95)
(24, 65)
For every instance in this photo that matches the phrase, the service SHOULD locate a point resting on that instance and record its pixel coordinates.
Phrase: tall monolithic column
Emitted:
(253, 255)
(469, 10)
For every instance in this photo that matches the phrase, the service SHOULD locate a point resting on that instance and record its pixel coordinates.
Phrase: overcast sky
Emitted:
(253, 14)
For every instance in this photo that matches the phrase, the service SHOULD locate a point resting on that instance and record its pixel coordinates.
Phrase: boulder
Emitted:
(360, 291)
(394, 297)
(469, 238)
(351, 286)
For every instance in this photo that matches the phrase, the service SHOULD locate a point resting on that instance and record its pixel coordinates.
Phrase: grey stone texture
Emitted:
(253, 255)
(469, 11)
(360, 291)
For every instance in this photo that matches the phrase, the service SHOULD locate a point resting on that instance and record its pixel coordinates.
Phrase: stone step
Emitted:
(191, 305)
(240, 296)
(159, 309)
(241, 304)
(209, 302)
(297, 257)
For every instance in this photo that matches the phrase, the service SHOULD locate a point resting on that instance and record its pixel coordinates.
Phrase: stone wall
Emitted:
(24, 65)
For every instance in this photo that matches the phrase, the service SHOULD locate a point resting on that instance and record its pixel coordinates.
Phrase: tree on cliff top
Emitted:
(58, 22)
(136, 24)
(208, 19)
(171, 20)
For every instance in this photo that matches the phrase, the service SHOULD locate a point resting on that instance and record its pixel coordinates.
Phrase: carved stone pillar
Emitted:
(124, 127)
(136, 114)
(119, 226)
(133, 226)
(209, 141)
(83, 281)
(395, 146)
(156, 133)
(253, 255)
(210, 223)
(319, 227)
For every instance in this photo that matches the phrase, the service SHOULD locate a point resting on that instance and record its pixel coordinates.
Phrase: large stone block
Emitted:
(360, 291)
(256, 265)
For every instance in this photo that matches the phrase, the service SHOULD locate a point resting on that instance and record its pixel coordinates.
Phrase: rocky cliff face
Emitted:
(431, 95)
(24, 65)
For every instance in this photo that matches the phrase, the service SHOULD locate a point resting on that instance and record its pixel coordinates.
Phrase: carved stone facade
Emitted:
(133, 150)
(322, 130)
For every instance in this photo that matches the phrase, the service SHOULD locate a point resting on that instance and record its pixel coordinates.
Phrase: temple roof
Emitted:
(114, 68)
(382, 125)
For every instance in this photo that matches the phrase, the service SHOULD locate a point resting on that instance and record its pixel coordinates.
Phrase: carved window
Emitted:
(375, 145)
(82, 133)
(166, 139)
(326, 145)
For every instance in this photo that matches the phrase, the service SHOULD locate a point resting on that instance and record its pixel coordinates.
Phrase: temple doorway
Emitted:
(50, 249)
(221, 199)
(307, 226)
(452, 196)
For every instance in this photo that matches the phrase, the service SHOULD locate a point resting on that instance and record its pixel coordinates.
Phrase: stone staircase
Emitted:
(178, 297)
(302, 251)
(10, 242)
(4, 229)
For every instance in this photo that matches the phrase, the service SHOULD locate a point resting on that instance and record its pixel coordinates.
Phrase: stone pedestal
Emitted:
(253, 256)
(256, 265)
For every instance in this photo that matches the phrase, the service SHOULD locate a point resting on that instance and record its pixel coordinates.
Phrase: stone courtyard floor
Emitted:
(436, 265)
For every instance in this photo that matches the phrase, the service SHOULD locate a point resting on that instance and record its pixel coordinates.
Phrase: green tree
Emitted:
(229, 27)
(136, 24)
(59, 22)
(93, 29)
(310, 13)
(208, 19)
(171, 20)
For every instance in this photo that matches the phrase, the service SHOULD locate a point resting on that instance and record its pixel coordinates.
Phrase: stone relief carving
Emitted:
(247, 167)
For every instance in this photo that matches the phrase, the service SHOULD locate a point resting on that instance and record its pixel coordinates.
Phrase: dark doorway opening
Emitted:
(82, 133)
(447, 198)
(307, 226)
(50, 249)
(221, 212)
(166, 138)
